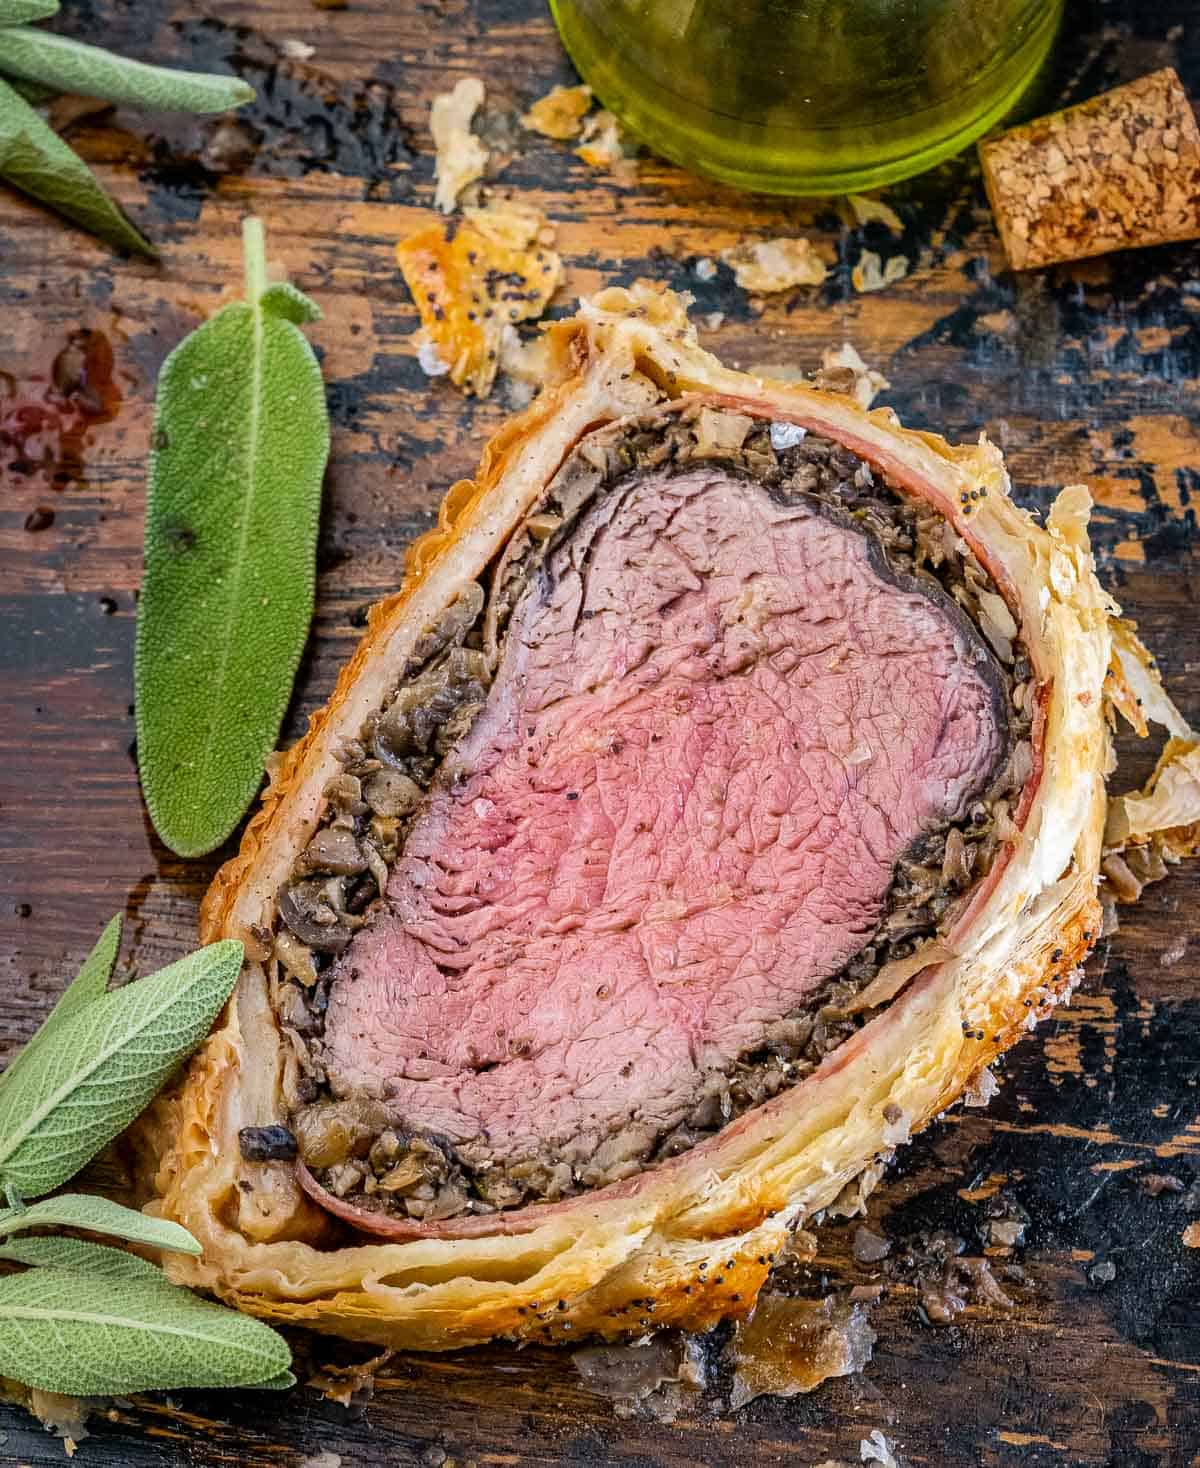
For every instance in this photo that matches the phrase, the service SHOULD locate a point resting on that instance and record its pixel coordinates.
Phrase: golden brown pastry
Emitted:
(722, 790)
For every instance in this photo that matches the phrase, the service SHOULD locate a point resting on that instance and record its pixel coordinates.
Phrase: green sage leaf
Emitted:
(241, 437)
(106, 1064)
(21, 12)
(283, 299)
(32, 93)
(34, 159)
(97, 1261)
(88, 984)
(278, 1383)
(92, 979)
(72, 66)
(99, 1216)
(64, 1332)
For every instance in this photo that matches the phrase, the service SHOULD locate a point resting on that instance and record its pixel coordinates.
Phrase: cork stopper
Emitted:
(1120, 170)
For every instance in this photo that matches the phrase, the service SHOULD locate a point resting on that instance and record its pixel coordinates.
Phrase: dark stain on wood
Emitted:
(1085, 373)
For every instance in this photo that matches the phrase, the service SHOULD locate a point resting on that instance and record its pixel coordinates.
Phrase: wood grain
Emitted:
(1089, 372)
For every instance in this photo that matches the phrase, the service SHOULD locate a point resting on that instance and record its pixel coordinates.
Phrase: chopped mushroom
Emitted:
(391, 793)
(316, 920)
(295, 957)
(334, 850)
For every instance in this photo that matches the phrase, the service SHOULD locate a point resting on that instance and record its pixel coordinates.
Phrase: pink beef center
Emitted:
(714, 729)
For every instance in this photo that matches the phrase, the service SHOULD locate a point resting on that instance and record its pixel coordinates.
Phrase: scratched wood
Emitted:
(1086, 373)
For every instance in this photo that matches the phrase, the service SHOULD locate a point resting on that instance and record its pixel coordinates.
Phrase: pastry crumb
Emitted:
(472, 283)
(429, 359)
(871, 274)
(878, 1449)
(461, 157)
(866, 384)
(767, 266)
(791, 1346)
(1000, 323)
(874, 211)
(603, 146)
(560, 113)
(981, 1088)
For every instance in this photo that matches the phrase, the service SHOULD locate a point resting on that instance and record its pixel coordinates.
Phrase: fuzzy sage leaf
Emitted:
(88, 984)
(90, 1335)
(92, 979)
(99, 1216)
(34, 159)
(21, 12)
(81, 1257)
(241, 437)
(71, 66)
(105, 1065)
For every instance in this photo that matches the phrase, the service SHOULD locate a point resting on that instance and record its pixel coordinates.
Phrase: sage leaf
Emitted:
(92, 979)
(20, 12)
(32, 93)
(88, 984)
(100, 1216)
(72, 66)
(278, 1383)
(241, 437)
(65, 1332)
(34, 159)
(80, 1257)
(105, 1065)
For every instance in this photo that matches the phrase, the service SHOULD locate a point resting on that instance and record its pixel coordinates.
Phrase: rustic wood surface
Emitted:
(1084, 373)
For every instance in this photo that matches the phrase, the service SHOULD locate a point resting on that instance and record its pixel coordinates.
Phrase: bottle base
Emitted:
(813, 164)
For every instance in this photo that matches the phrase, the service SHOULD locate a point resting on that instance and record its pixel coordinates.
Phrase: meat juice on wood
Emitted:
(731, 726)
(46, 415)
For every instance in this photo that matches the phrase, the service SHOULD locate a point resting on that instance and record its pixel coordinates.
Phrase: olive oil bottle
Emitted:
(808, 96)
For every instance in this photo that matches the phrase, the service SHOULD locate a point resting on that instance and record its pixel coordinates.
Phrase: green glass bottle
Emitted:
(808, 96)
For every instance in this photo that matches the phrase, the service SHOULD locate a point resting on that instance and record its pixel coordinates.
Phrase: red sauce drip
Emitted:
(45, 418)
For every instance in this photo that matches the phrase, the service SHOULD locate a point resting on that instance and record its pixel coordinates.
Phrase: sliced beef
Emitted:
(717, 723)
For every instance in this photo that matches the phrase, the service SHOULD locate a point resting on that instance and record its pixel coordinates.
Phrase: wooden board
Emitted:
(1086, 373)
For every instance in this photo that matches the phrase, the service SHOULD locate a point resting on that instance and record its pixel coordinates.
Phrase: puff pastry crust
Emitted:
(695, 1236)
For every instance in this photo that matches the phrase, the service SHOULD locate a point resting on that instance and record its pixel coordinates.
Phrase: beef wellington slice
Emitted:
(722, 790)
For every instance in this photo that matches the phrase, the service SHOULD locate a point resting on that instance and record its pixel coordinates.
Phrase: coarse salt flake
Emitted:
(786, 435)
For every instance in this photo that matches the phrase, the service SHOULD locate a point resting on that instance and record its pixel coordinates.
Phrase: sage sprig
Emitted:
(85, 1318)
(34, 159)
(241, 437)
(102, 1064)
